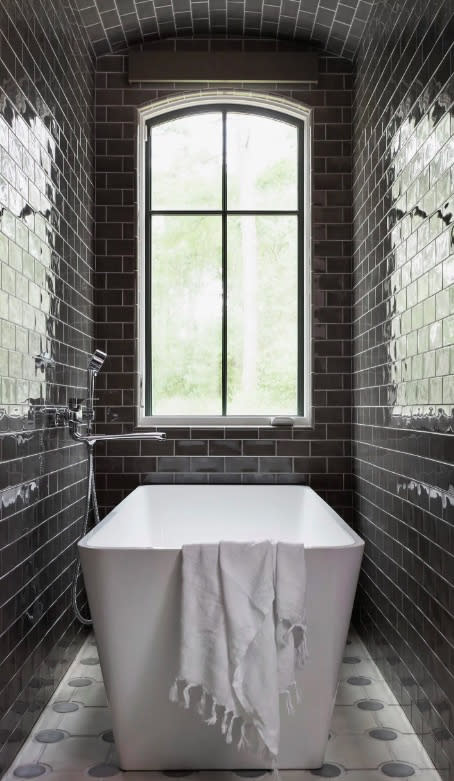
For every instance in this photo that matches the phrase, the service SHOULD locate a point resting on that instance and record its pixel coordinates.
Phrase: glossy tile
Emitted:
(46, 299)
(403, 442)
(338, 26)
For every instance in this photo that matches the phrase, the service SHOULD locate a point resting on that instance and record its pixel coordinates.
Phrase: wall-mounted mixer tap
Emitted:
(83, 410)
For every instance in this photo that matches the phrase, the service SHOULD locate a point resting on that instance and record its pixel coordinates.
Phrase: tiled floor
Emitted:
(371, 739)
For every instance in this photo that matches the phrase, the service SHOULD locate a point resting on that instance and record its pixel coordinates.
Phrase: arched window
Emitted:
(224, 284)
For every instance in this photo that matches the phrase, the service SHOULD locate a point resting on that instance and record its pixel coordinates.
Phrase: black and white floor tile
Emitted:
(371, 738)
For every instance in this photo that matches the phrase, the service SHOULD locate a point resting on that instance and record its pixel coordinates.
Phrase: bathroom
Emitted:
(328, 371)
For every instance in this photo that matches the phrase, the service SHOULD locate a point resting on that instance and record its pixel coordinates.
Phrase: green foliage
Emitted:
(187, 280)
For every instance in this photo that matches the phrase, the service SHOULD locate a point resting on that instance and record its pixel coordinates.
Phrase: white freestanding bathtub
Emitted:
(131, 564)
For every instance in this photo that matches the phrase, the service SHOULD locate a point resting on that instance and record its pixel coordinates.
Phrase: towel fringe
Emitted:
(229, 736)
(180, 692)
(211, 721)
(202, 704)
(186, 695)
(243, 743)
(292, 698)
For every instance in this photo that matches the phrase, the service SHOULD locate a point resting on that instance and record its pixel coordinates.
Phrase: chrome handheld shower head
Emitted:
(95, 365)
(96, 361)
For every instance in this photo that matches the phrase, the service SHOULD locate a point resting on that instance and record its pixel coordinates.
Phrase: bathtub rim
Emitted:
(84, 542)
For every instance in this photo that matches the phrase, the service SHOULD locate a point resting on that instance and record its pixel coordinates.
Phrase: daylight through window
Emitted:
(224, 263)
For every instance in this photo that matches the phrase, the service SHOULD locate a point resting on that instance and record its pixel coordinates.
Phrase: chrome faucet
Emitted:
(83, 411)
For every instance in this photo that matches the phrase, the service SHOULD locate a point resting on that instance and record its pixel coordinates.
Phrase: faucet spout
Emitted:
(91, 439)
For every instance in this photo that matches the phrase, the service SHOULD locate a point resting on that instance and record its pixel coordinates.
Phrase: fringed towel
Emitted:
(243, 637)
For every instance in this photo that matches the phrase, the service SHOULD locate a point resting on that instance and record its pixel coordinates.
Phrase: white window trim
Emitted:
(257, 100)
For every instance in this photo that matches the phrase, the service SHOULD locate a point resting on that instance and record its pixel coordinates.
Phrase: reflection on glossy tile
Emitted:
(403, 358)
(46, 297)
(352, 752)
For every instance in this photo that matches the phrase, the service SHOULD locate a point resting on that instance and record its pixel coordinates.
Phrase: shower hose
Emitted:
(91, 499)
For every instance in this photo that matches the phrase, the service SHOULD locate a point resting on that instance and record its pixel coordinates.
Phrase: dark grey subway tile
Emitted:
(207, 464)
(259, 447)
(173, 464)
(241, 464)
(191, 447)
(331, 273)
(276, 464)
(47, 296)
(403, 404)
(225, 447)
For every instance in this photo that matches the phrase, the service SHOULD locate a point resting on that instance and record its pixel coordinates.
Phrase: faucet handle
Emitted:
(76, 410)
(75, 404)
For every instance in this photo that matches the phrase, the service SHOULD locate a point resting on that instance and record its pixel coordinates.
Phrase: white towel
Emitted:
(243, 635)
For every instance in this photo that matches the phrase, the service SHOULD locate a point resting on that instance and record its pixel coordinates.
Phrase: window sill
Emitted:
(221, 421)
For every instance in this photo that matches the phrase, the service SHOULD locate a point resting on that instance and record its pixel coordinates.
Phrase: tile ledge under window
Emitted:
(219, 421)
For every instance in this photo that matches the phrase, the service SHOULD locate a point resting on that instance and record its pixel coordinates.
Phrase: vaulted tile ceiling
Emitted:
(337, 25)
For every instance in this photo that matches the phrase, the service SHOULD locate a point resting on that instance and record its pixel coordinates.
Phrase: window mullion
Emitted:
(224, 266)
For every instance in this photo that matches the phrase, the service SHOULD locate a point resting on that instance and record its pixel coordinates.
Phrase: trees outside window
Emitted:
(224, 263)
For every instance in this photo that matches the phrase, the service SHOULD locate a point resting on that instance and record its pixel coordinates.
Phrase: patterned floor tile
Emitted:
(349, 692)
(364, 751)
(370, 734)
(354, 665)
(93, 693)
(350, 719)
(355, 647)
(75, 753)
(86, 721)
(92, 671)
(365, 775)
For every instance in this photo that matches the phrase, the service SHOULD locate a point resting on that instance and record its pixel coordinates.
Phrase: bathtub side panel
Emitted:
(135, 596)
(332, 576)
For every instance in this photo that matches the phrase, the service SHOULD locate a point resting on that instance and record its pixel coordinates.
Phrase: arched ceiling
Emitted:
(337, 25)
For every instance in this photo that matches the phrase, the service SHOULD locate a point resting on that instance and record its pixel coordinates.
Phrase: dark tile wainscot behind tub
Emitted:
(46, 196)
(318, 457)
(404, 357)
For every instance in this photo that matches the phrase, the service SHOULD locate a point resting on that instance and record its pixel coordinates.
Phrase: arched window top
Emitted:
(251, 100)
(224, 246)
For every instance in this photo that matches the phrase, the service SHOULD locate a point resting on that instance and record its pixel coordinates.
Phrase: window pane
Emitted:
(186, 310)
(186, 163)
(262, 163)
(262, 315)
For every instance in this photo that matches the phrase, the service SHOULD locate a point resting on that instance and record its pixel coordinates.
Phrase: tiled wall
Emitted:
(112, 25)
(46, 293)
(404, 356)
(318, 457)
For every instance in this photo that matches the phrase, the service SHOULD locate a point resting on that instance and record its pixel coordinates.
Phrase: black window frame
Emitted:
(225, 108)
